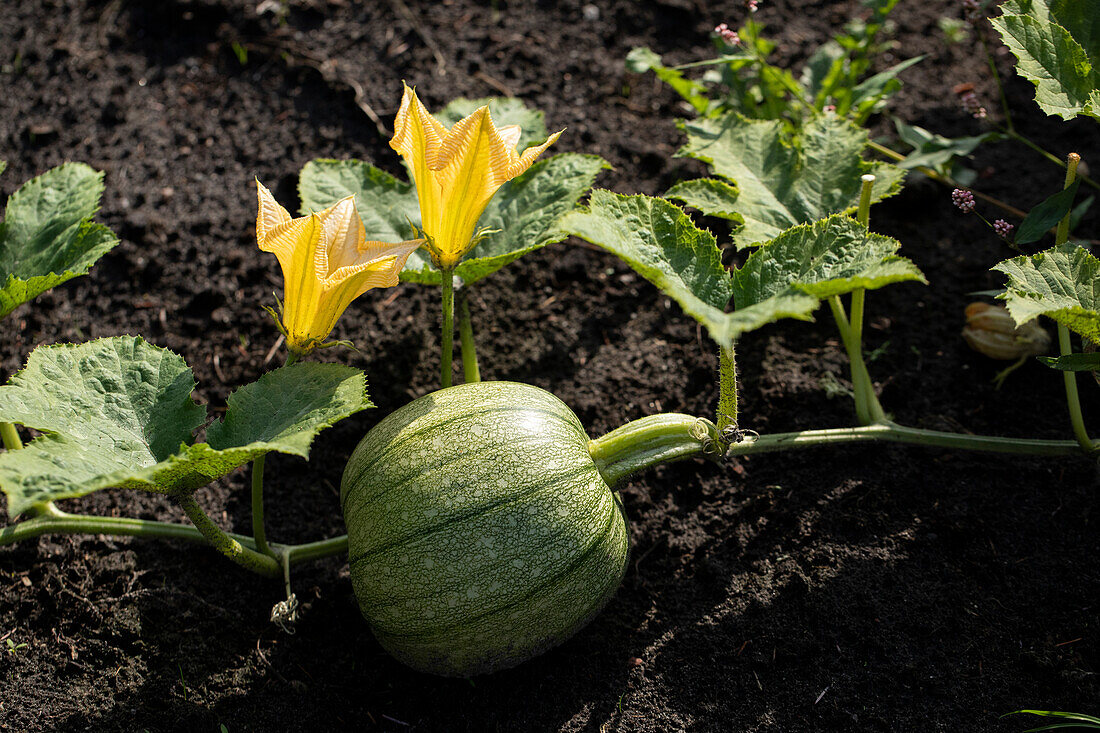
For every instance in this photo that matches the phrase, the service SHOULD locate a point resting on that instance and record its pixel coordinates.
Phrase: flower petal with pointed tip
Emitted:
(457, 171)
(326, 262)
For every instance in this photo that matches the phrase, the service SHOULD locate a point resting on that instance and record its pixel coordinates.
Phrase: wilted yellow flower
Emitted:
(990, 330)
(326, 263)
(456, 171)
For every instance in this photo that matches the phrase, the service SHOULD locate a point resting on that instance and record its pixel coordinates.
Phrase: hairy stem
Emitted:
(246, 557)
(448, 335)
(727, 389)
(259, 531)
(10, 436)
(470, 370)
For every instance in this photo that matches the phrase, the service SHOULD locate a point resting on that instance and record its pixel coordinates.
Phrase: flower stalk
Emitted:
(471, 372)
(448, 333)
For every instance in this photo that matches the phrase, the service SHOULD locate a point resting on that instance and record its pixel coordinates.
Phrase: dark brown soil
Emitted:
(870, 588)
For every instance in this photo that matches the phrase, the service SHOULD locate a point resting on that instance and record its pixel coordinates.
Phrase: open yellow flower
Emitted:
(326, 263)
(456, 171)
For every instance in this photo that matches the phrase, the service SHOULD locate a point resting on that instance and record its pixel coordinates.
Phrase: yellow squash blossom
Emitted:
(456, 171)
(326, 263)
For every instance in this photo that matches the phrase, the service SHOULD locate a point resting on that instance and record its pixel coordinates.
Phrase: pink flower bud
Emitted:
(1003, 228)
(963, 199)
(727, 34)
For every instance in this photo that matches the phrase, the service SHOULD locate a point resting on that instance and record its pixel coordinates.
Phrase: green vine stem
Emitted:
(54, 521)
(727, 389)
(894, 433)
(10, 436)
(448, 334)
(868, 409)
(649, 441)
(259, 530)
(246, 557)
(658, 439)
(470, 370)
(1065, 346)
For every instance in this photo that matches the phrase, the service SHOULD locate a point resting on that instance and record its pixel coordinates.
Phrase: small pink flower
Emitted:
(727, 34)
(971, 104)
(1003, 228)
(963, 199)
(751, 5)
(829, 108)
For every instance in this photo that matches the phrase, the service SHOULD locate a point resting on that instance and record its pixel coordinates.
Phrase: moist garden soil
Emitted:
(863, 588)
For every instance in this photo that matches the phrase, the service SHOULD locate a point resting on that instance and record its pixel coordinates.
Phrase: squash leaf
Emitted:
(117, 412)
(830, 257)
(47, 236)
(1062, 283)
(780, 182)
(1057, 48)
(784, 278)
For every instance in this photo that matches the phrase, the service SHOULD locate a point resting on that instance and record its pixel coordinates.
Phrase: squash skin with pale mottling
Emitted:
(480, 531)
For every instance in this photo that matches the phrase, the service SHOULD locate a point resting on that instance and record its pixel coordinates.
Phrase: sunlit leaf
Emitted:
(784, 182)
(1057, 47)
(47, 236)
(829, 257)
(1062, 283)
(117, 413)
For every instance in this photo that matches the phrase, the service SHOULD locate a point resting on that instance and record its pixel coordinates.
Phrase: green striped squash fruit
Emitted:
(480, 531)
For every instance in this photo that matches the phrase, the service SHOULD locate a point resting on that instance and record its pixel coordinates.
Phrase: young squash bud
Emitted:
(990, 330)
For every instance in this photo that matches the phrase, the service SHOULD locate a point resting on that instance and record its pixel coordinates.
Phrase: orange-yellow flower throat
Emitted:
(326, 263)
(456, 171)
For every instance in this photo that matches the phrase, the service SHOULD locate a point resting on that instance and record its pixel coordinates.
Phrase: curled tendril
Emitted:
(284, 614)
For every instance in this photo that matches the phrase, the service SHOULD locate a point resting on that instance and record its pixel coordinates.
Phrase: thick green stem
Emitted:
(649, 441)
(893, 433)
(246, 557)
(727, 389)
(52, 520)
(1073, 401)
(657, 439)
(470, 370)
(10, 436)
(868, 409)
(259, 531)
(448, 335)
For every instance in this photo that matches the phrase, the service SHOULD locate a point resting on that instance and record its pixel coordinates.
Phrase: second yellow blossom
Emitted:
(326, 263)
(457, 171)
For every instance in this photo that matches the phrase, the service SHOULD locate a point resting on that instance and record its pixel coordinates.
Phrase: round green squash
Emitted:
(480, 531)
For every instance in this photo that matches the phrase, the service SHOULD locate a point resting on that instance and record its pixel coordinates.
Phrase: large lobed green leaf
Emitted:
(784, 278)
(1057, 48)
(117, 413)
(830, 257)
(524, 212)
(780, 182)
(47, 236)
(1062, 283)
